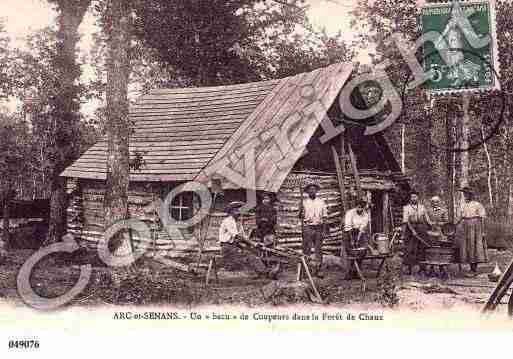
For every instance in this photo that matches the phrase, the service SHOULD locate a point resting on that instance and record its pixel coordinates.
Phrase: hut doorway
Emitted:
(377, 220)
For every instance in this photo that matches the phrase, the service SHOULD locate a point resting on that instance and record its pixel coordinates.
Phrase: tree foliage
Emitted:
(14, 150)
(176, 45)
(196, 37)
(35, 86)
(7, 82)
(426, 158)
(171, 43)
(278, 41)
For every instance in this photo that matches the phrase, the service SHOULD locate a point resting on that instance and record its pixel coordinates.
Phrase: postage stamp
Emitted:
(468, 40)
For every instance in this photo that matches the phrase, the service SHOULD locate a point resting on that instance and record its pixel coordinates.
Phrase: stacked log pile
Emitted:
(75, 215)
(399, 197)
(373, 180)
(86, 215)
(86, 222)
(396, 209)
(289, 197)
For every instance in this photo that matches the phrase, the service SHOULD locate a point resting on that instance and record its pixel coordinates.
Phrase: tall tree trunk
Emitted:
(450, 167)
(43, 175)
(465, 128)
(6, 223)
(438, 160)
(58, 204)
(117, 28)
(454, 173)
(510, 200)
(403, 146)
(488, 167)
(34, 186)
(5, 200)
(464, 155)
(507, 169)
(422, 177)
(509, 184)
(65, 107)
(495, 187)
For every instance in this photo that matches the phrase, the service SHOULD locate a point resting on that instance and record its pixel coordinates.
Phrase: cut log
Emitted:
(171, 263)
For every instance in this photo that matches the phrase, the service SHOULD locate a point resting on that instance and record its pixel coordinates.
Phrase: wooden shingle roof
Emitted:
(181, 133)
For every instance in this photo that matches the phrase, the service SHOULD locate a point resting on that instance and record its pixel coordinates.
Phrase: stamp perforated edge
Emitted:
(494, 61)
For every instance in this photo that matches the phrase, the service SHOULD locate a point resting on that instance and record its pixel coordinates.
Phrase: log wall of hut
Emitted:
(289, 226)
(85, 213)
(85, 218)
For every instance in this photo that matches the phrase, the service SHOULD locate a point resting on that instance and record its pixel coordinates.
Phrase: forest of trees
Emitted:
(139, 45)
(144, 44)
(420, 136)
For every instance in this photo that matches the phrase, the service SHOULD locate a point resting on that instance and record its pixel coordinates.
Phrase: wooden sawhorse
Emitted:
(212, 267)
(353, 262)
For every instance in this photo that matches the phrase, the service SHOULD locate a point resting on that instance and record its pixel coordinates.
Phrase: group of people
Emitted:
(422, 227)
(231, 238)
(313, 215)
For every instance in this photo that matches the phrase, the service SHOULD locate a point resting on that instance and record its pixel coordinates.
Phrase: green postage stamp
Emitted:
(463, 57)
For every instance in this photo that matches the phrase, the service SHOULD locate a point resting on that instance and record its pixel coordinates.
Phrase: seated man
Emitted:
(356, 227)
(234, 254)
(266, 221)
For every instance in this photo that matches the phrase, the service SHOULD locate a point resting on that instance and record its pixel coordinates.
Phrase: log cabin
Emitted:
(264, 136)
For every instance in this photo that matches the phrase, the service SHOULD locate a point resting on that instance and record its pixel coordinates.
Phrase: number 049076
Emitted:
(23, 344)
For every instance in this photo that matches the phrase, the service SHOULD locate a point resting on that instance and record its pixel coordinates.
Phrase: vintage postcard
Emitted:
(175, 167)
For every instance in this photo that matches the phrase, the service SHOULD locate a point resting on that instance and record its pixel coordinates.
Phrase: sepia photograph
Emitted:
(253, 165)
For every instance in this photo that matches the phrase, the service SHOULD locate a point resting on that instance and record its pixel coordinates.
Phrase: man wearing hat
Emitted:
(314, 213)
(234, 255)
(266, 216)
(471, 241)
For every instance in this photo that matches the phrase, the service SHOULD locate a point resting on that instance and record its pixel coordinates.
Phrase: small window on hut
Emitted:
(183, 207)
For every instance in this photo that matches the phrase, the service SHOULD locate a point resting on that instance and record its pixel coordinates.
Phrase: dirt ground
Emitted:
(150, 283)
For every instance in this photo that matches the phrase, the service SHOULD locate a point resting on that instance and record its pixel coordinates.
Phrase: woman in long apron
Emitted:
(416, 224)
(471, 241)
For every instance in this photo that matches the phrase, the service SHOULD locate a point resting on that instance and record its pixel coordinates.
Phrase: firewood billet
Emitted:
(307, 270)
(259, 247)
